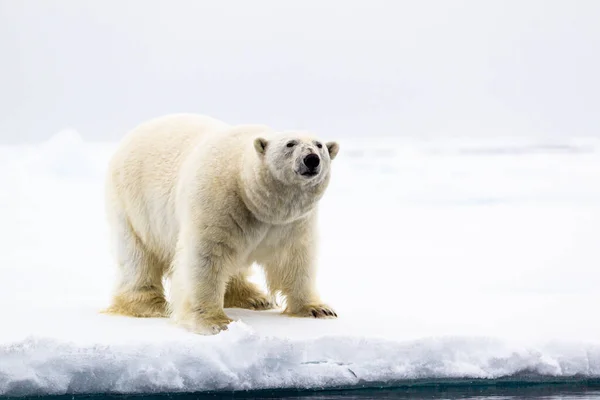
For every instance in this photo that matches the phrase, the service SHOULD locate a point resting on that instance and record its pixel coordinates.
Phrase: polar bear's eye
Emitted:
(319, 145)
(291, 144)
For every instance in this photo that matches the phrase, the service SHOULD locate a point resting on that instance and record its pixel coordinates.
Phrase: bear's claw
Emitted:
(256, 301)
(325, 311)
(204, 323)
(210, 327)
(313, 310)
(261, 303)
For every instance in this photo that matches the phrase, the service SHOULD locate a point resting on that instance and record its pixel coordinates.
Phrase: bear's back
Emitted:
(162, 142)
(143, 172)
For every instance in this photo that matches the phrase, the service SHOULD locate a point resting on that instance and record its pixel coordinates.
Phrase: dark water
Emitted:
(584, 390)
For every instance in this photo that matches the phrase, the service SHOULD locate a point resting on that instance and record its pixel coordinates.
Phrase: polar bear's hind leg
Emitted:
(242, 293)
(139, 291)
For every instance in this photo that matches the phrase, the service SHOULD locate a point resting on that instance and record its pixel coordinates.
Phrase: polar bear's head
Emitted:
(297, 159)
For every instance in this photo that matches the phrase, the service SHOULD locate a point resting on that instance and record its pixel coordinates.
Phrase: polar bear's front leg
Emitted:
(302, 299)
(201, 270)
(293, 273)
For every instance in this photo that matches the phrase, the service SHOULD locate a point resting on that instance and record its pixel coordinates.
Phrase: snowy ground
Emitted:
(443, 259)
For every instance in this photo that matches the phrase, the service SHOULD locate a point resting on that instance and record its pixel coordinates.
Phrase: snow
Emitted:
(444, 259)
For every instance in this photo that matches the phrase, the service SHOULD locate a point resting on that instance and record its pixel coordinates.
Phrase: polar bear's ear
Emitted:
(260, 145)
(333, 148)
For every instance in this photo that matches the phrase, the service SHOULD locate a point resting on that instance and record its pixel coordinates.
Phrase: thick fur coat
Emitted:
(195, 200)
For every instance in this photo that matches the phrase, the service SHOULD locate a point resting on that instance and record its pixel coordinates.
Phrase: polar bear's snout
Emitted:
(312, 161)
(311, 164)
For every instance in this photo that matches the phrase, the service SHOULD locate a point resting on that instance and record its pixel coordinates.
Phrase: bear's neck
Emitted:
(274, 202)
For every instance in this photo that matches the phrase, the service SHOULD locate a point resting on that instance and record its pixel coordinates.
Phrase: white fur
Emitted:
(194, 199)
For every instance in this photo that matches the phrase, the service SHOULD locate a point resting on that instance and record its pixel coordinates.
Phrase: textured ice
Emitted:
(444, 259)
(241, 359)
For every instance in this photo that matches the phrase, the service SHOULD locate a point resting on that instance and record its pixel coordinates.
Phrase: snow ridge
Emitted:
(240, 359)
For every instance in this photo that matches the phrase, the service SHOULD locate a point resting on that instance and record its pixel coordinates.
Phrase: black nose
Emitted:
(312, 161)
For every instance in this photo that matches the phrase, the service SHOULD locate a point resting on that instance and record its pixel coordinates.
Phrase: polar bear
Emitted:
(197, 201)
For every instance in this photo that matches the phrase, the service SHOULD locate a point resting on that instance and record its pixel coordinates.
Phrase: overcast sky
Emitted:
(339, 67)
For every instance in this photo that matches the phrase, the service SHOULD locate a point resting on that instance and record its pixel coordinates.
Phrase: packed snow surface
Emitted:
(444, 259)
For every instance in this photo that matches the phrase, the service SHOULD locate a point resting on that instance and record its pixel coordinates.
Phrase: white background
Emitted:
(360, 68)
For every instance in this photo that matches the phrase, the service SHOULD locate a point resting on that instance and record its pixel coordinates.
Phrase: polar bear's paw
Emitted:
(256, 301)
(140, 304)
(205, 323)
(243, 294)
(312, 311)
(259, 302)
